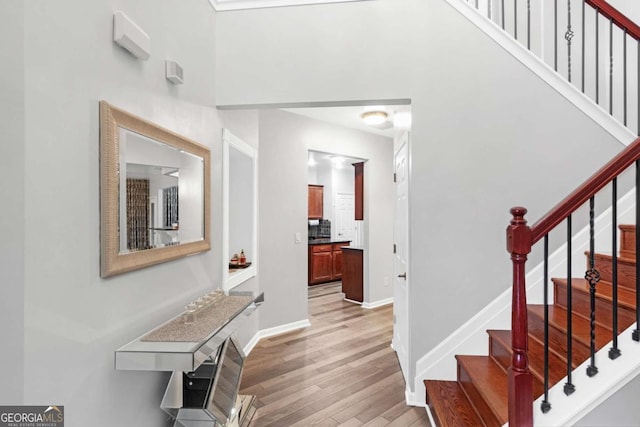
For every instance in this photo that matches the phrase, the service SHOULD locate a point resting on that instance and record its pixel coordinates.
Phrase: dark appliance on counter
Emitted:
(319, 229)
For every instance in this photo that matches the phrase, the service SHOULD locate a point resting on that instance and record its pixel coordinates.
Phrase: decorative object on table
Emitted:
(242, 260)
(207, 318)
(239, 267)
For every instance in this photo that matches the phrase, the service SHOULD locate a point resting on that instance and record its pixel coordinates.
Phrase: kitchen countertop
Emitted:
(354, 248)
(326, 241)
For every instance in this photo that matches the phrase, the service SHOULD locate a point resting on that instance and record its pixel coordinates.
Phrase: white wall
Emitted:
(344, 180)
(12, 223)
(283, 204)
(312, 175)
(630, 8)
(619, 410)
(487, 134)
(73, 320)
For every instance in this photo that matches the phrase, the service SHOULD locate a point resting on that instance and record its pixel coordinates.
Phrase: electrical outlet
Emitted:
(386, 281)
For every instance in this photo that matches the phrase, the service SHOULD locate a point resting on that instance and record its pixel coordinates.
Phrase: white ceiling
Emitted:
(350, 117)
(221, 5)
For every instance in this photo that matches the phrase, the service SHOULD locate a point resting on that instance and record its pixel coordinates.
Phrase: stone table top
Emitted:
(208, 320)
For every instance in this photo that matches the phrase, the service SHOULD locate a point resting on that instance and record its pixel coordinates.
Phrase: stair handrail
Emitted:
(591, 186)
(520, 239)
(616, 16)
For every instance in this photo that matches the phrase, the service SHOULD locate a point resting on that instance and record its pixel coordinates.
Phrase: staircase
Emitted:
(479, 397)
(548, 341)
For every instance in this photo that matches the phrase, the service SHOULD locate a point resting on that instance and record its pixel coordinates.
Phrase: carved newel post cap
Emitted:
(518, 211)
(518, 232)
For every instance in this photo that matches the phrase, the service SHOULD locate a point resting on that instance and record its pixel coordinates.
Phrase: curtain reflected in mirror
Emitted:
(170, 197)
(137, 214)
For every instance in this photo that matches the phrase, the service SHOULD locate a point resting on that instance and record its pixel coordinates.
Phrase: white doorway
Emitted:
(401, 340)
(344, 215)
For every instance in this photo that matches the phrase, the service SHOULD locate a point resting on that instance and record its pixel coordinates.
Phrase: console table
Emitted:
(206, 361)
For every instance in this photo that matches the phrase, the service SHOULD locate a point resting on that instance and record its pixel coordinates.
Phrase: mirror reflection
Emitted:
(154, 193)
(161, 197)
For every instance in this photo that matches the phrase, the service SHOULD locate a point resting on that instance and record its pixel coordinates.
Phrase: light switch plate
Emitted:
(297, 237)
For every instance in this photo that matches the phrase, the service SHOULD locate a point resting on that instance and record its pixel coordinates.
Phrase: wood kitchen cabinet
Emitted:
(320, 263)
(352, 276)
(337, 260)
(316, 201)
(359, 191)
(325, 262)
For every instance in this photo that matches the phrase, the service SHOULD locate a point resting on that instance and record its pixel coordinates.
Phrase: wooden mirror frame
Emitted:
(112, 262)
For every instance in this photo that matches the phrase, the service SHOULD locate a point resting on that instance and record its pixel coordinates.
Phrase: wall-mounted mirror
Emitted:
(154, 193)
(239, 163)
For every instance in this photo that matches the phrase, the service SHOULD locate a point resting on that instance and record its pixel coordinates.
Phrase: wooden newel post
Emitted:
(519, 241)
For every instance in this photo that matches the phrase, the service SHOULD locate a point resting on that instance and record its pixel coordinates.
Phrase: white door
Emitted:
(401, 257)
(345, 214)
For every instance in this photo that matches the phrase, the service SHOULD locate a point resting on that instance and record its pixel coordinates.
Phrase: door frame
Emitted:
(403, 141)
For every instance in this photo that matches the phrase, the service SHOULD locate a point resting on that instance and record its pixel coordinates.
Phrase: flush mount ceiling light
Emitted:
(373, 118)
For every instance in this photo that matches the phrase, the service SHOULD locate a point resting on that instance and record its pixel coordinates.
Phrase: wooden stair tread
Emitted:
(557, 364)
(581, 327)
(626, 269)
(621, 259)
(449, 405)
(480, 396)
(558, 333)
(627, 240)
(604, 310)
(491, 383)
(604, 290)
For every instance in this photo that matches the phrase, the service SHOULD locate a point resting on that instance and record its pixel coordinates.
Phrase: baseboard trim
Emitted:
(413, 399)
(376, 304)
(277, 330)
(251, 344)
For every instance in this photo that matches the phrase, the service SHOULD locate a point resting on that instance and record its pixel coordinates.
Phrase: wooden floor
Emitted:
(341, 371)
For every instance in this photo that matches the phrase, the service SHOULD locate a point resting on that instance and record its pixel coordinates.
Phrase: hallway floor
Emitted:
(341, 371)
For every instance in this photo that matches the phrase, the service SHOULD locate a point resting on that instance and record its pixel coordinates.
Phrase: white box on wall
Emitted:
(127, 34)
(174, 72)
